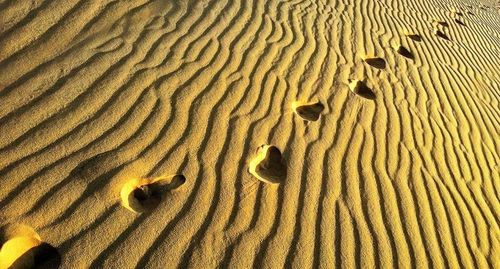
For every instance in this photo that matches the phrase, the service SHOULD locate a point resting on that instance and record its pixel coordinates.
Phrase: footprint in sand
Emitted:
(308, 111)
(405, 52)
(414, 37)
(360, 88)
(460, 22)
(144, 194)
(376, 62)
(269, 165)
(443, 23)
(441, 34)
(437, 22)
(22, 247)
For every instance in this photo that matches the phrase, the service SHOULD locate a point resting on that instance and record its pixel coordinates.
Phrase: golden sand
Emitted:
(131, 134)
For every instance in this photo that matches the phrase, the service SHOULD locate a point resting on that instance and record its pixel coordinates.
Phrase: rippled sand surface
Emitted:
(240, 134)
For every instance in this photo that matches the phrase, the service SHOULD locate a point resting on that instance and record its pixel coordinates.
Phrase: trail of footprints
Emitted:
(22, 247)
(269, 167)
(439, 26)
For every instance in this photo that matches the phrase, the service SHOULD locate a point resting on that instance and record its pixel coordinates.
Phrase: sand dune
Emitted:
(131, 133)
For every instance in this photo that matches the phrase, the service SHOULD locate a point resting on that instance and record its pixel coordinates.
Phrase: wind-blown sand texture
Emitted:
(402, 172)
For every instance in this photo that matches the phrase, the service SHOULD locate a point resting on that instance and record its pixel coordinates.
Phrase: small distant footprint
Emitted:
(144, 194)
(443, 23)
(22, 247)
(309, 112)
(376, 62)
(441, 34)
(269, 165)
(460, 22)
(405, 52)
(414, 37)
(360, 88)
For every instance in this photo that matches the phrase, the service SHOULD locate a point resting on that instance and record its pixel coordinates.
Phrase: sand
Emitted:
(132, 133)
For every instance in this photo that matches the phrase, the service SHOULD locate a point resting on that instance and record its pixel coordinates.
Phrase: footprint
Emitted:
(441, 34)
(269, 165)
(460, 22)
(144, 194)
(309, 112)
(22, 247)
(443, 23)
(139, 195)
(436, 22)
(46, 256)
(405, 52)
(360, 88)
(376, 62)
(414, 37)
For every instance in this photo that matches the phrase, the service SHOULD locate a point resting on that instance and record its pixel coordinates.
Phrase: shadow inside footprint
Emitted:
(414, 37)
(360, 88)
(376, 62)
(144, 195)
(269, 166)
(45, 257)
(441, 34)
(309, 112)
(145, 198)
(405, 52)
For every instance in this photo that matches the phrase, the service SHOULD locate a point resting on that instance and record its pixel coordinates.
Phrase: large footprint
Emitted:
(22, 247)
(144, 194)
(269, 166)
(310, 111)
